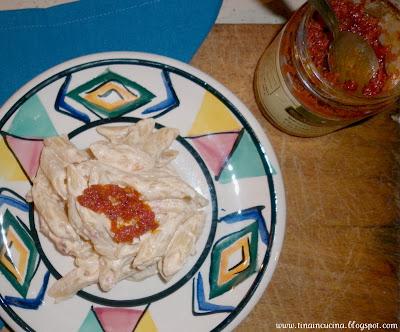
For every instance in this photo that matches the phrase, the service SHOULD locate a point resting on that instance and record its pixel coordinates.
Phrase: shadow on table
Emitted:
(278, 7)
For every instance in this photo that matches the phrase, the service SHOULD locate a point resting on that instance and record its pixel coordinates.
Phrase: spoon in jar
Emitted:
(350, 56)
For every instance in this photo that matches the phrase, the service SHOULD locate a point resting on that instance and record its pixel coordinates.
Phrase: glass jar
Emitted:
(300, 100)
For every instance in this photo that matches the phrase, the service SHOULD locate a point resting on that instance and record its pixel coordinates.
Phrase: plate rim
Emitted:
(278, 183)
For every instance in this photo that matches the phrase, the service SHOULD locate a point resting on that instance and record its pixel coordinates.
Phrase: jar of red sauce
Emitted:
(293, 84)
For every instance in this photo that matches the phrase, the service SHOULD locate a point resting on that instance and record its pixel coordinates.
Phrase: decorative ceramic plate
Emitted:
(224, 155)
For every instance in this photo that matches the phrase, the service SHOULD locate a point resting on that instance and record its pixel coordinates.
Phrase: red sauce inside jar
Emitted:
(352, 17)
(130, 216)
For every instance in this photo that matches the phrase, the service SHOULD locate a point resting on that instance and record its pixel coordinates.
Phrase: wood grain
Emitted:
(340, 259)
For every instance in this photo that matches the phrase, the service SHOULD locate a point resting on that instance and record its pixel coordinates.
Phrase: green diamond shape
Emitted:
(143, 95)
(23, 243)
(222, 245)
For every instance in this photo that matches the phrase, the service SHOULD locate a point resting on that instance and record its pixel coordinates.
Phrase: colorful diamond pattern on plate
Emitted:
(18, 255)
(233, 259)
(111, 95)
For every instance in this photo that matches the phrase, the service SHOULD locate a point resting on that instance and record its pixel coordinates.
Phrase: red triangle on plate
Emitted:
(117, 319)
(215, 149)
(27, 152)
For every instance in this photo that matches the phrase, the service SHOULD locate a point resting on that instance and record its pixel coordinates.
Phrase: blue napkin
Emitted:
(33, 40)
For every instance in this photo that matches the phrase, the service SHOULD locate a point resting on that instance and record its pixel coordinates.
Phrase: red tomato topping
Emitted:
(130, 216)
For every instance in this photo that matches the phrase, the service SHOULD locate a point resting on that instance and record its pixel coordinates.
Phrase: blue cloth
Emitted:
(33, 40)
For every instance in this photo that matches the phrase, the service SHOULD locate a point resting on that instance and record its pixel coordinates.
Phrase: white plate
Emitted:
(224, 154)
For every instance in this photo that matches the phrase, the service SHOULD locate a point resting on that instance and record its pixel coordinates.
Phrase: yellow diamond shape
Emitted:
(110, 96)
(226, 273)
(14, 246)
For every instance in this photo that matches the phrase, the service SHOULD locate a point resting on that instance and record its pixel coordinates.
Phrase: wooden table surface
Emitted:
(340, 258)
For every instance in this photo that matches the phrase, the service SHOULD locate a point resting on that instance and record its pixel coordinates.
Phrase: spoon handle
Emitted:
(327, 13)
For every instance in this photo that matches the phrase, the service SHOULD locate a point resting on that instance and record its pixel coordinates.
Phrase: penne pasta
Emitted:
(117, 208)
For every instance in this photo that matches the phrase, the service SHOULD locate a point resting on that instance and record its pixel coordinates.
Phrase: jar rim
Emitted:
(325, 87)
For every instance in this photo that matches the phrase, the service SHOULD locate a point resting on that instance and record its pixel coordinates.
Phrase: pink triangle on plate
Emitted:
(27, 152)
(215, 148)
(118, 319)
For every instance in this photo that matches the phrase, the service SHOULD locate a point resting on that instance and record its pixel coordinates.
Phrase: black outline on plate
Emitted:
(231, 153)
(14, 316)
(232, 108)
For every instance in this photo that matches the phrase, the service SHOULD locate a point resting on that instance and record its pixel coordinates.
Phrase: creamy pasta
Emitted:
(90, 202)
